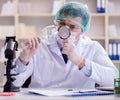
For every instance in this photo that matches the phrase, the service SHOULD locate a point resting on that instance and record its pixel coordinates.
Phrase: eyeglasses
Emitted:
(72, 27)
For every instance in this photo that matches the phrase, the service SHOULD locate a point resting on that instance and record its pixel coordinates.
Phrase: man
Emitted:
(87, 62)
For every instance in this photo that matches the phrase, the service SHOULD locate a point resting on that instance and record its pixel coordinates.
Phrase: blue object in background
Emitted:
(100, 6)
(114, 50)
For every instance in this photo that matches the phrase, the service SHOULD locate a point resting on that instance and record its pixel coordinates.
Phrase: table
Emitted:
(24, 95)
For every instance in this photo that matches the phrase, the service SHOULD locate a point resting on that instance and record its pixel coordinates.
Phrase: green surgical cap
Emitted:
(76, 12)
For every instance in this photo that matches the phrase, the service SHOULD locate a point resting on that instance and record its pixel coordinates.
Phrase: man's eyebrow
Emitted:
(72, 25)
(63, 22)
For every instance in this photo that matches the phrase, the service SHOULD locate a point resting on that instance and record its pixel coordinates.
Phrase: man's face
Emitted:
(74, 28)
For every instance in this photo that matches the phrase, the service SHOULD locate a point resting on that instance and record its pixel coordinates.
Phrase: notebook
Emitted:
(73, 93)
(97, 93)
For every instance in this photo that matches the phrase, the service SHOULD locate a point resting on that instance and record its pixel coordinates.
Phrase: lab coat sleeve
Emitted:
(87, 69)
(20, 67)
(24, 72)
(103, 70)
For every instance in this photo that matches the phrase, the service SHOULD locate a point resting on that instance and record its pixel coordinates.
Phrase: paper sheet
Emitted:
(53, 92)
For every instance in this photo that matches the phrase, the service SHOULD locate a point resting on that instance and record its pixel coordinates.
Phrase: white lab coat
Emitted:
(48, 69)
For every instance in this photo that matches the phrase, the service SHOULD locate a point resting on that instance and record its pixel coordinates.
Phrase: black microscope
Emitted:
(11, 46)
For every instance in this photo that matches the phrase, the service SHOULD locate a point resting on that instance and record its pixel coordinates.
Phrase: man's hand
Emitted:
(70, 49)
(29, 48)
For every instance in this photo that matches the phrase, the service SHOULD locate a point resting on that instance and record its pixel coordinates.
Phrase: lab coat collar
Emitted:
(55, 49)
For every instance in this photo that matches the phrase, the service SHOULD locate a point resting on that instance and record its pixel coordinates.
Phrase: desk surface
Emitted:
(24, 95)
